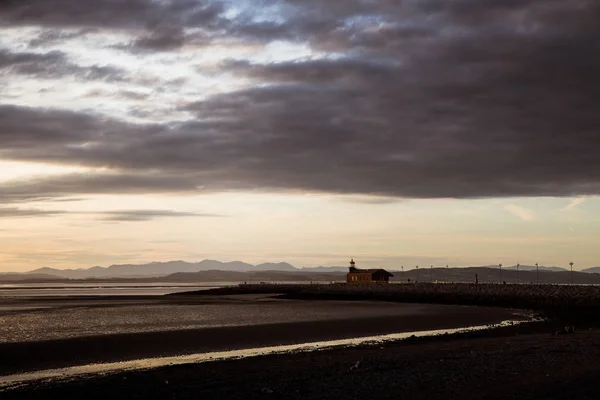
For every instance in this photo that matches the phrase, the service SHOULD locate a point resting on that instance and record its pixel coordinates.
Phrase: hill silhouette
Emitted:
(283, 272)
(157, 269)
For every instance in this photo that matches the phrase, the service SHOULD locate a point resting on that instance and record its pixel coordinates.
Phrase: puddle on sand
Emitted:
(149, 363)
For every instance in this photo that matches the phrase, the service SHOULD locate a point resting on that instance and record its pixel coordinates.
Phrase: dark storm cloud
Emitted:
(52, 37)
(322, 72)
(108, 13)
(154, 25)
(147, 215)
(54, 64)
(455, 98)
(172, 39)
(163, 40)
(31, 63)
(501, 108)
(34, 132)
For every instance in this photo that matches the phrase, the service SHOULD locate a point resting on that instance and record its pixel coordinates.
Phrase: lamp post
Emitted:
(431, 273)
(402, 268)
(500, 265)
(417, 273)
(571, 277)
(537, 274)
(518, 280)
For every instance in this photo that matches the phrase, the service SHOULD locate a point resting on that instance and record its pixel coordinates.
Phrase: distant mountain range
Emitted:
(244, 271)
(512, 267)
(593, 270)
(156, 269)
(16, 277)
(533, 268)
(255, 276)
(326, 269)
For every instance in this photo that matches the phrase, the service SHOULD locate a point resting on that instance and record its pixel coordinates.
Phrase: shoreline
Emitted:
(518, 362)
(94, 370)
(18, 357)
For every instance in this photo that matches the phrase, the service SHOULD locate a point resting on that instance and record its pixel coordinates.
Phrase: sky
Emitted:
(400, 133)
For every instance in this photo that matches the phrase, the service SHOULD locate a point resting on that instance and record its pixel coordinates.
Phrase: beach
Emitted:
(519, 360)
(61, 332)
(507, 365)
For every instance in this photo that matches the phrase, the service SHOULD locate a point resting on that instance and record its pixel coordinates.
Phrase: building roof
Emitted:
(367, 271)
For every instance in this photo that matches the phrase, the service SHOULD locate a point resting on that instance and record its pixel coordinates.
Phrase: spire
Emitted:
(352, 265)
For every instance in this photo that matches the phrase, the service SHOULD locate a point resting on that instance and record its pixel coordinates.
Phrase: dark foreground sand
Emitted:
(16, 357)
(514, 363)
(518, 362)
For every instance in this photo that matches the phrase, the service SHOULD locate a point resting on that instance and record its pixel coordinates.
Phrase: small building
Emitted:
(356, 275)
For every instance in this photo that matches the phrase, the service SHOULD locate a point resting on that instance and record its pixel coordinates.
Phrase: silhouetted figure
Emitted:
(408, 280)
(476, 279)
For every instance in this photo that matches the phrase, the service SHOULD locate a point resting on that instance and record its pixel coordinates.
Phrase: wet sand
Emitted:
(513, 363)
(21, 356)
(517, 362)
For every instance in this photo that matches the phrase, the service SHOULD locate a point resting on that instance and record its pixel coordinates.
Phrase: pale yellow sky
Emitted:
(305, 230)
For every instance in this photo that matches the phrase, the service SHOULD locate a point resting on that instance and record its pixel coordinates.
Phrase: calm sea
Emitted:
(103, 289)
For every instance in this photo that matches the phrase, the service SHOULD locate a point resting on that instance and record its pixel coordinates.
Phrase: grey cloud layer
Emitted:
(113, 216)
(146, 215)
(158, 25)
(12, 212)
(108, 13)
(54, 64)
(455, 98)
(45, 189)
